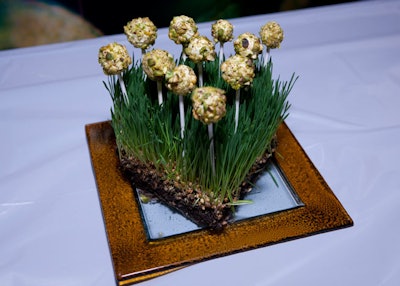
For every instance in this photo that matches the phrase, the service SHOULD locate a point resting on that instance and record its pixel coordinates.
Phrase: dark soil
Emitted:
(188, 199)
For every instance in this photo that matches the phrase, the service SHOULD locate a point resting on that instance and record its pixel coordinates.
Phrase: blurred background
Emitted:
(26, 23)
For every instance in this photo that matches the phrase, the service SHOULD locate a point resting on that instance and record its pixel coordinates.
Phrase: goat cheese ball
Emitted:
(248, 45)
(209, 104)
(200, 49)
(271, 35)
(156, 63)
(181, 80)
(114, 58)
(182, 29)
(141, 32)
(222, 31)
(238, 71)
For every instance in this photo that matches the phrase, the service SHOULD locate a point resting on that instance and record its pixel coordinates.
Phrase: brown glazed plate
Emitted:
(310, 208)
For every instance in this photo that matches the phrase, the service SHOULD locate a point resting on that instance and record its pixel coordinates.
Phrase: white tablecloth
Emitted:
(345, 114)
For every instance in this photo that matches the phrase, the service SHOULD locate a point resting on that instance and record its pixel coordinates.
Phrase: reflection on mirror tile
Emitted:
(271, 193)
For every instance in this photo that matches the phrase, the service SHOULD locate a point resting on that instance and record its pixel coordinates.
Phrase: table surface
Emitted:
(344, 113)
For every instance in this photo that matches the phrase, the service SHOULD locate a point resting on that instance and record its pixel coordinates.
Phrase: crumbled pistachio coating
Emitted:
(248, 45)
(156, 63)
(209, 104)
(181, 80)
(200, 49)
(114, 58)
(141, 32)
(271, 35)
(182, 29)
(238, 71)
(222, 31)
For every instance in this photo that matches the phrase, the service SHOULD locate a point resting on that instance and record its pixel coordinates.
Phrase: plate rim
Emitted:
(136, 259)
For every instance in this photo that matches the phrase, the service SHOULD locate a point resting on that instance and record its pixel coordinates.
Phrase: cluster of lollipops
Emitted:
(160, 66)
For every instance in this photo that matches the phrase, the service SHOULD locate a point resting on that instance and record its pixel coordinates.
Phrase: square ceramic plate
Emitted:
(137, 256)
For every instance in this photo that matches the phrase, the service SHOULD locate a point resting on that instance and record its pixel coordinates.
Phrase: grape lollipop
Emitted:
(238, 71)
(199, 50)
(209, 106)
(181, 30)
(156, 63)
(114, 59)
(271, 36)
(222, 32)
(181, 81)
